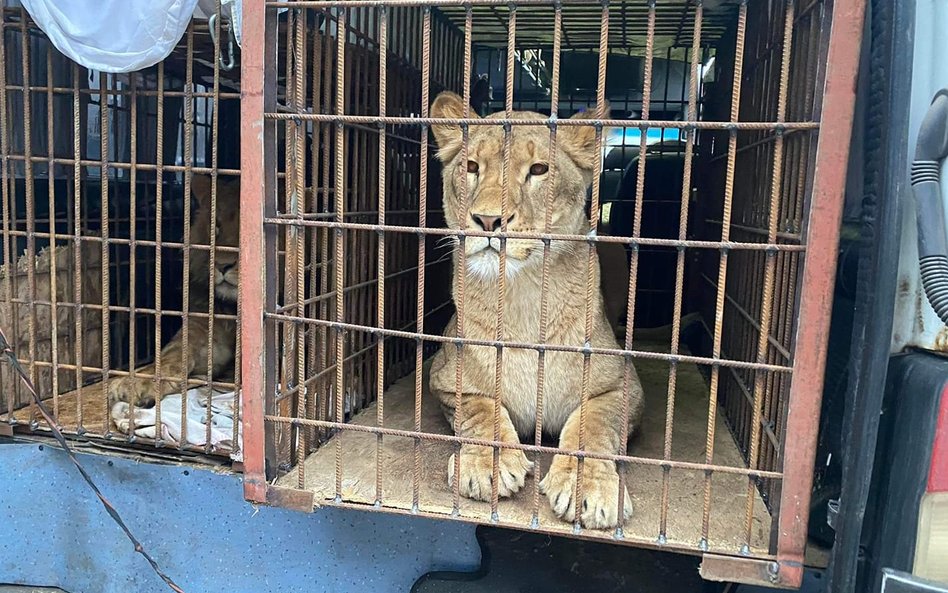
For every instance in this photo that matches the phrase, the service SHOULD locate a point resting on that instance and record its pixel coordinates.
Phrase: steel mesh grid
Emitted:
(779, 28)
(745, 310)
(95, 181)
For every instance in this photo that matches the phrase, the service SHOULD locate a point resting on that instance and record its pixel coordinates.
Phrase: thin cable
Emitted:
(6, 350)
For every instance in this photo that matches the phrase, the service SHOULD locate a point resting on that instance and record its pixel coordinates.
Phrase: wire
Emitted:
(7, 350)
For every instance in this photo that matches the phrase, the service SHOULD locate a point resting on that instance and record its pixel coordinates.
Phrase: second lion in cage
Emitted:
(182, 360)
(480, 180)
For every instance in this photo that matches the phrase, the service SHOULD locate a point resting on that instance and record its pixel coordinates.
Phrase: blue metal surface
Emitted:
(53, 532)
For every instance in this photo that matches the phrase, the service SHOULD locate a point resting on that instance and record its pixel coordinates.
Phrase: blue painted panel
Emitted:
(54, 532)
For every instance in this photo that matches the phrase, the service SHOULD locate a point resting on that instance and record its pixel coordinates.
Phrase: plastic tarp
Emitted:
(122, 35)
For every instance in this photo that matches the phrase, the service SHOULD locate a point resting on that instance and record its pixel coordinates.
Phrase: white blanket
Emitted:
(170, 427)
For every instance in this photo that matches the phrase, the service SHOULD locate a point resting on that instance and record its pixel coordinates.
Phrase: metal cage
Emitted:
(713, 214)
(346, 223)
(101, 234)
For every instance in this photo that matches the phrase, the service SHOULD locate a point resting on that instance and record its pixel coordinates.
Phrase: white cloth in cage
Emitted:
(113, 35)
(170, 427)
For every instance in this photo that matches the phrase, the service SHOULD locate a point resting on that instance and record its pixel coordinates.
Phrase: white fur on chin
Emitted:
(484, 263)
(225, 285)
(226, 292)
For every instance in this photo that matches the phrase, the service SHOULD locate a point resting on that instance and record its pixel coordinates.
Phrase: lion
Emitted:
(529, 178)
(177, 364)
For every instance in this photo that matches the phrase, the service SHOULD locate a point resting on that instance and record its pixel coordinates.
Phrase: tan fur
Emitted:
(178, 364)
(575, 160)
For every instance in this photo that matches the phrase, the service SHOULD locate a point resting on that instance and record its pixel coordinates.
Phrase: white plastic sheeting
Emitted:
(113, 35)
(123, 35)
(230, 10)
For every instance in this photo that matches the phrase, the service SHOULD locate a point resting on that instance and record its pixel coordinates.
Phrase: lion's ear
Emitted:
(579, 141)
(449, 137)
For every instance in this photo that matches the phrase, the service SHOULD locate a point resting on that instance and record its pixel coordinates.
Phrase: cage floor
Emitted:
(726, 531)
(91, 400)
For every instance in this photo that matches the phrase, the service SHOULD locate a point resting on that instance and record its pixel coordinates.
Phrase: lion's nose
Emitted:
(489, 222)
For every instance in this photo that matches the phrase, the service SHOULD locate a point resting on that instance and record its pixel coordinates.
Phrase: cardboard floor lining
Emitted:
(90, 399)
(726, 531)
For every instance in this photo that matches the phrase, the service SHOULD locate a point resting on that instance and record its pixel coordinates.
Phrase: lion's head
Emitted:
(529, 177)
(227, 234)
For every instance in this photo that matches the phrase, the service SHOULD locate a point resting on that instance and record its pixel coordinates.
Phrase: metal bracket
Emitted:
(290, 498)
(749, 571)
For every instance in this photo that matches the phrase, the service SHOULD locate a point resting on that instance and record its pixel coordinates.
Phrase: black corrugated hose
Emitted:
(930, 150)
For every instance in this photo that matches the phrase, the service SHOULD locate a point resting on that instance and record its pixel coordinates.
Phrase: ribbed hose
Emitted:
(935, 280)
(930, 150)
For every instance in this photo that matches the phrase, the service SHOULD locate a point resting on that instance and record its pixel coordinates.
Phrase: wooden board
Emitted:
(685, 493)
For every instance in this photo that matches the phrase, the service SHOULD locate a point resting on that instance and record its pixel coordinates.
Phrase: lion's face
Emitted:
(227, 234)
(529, 178)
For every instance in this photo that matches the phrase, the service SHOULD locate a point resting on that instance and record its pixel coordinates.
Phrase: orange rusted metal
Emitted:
(816, 292)
(253, 276)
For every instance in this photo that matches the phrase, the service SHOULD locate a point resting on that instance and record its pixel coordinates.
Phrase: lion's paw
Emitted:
(599, 509)
(477, 472)
(135, 391)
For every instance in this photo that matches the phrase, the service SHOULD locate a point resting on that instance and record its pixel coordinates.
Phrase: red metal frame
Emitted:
(816, 298)
(252, 268)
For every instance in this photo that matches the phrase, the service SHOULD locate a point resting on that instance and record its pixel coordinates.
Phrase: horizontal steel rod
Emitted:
(605, 123)
(668, 464)
(643, 354)
(687, 243)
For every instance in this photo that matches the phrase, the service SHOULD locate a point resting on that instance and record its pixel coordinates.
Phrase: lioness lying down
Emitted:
(529, 177)
(177, 362)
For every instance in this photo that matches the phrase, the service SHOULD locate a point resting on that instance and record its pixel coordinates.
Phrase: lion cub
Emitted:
(528, 182)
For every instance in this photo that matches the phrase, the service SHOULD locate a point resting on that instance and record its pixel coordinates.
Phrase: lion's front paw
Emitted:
(477, 472)
(600, 492)
(135, 391)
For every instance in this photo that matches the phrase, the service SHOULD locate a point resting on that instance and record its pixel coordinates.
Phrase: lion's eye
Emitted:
(539, 169)
(472, 167)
